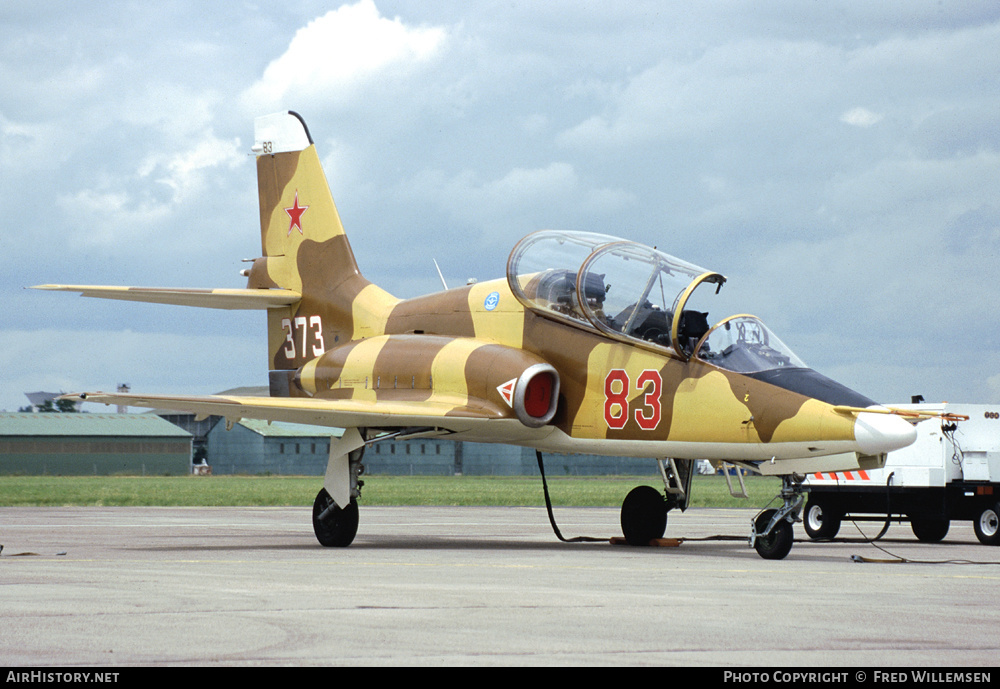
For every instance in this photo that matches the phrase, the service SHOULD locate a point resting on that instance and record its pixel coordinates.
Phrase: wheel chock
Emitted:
(657, 542)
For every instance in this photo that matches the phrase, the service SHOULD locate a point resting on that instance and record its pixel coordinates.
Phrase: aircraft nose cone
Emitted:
(877, 433)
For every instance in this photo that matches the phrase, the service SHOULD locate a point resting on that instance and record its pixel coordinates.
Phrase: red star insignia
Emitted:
(295, 214)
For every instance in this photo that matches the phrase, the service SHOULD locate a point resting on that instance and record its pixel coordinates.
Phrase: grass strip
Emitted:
(263, 491)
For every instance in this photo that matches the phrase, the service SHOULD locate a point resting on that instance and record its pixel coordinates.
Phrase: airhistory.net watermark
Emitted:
(45, 676)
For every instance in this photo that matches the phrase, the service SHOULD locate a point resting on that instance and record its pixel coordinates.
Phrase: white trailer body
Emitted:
(951, 472)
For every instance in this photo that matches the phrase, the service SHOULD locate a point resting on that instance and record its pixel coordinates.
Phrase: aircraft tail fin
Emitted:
(305, 250)
(297, 210)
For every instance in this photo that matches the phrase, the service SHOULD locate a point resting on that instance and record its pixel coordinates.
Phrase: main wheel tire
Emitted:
(777, 544)
(340, 525)
(644, 515)
(987, 525)
(929, 530)
(820, 522)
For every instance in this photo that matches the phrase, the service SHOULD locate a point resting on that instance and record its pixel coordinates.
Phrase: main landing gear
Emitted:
(644, 511)
(644, 515)
(337, 525)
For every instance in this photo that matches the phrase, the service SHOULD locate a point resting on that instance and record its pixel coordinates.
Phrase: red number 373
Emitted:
(617, 387)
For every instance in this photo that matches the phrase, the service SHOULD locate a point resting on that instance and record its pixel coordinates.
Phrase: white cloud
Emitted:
(607, 200)
(108, 218)
(335, 54)
(184, 172)
(515, 188)
(556, 178)
(31, 146)
(520, 192)
(860, 117)
(728, 90)
(907, 193)
(126, 205)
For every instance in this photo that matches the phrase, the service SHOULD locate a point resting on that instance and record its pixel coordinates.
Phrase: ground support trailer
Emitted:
(951, 472)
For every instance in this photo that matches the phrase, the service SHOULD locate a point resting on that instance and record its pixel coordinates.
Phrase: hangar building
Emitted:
(101, 444)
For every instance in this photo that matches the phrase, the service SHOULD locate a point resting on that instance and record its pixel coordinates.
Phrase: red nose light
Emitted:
(538, 395)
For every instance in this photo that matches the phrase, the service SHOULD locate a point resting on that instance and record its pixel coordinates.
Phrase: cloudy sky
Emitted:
(839, 162)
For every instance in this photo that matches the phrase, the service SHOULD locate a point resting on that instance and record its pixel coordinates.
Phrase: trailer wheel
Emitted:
(929, 530)
(987, 525)
(821, 521)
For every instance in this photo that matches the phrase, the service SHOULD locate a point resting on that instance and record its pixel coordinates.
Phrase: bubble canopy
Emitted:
(634, 292)
(621, 288)
(637, 294)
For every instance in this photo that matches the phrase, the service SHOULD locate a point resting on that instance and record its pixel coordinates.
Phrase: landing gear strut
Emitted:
(771, 531)
(336, 525)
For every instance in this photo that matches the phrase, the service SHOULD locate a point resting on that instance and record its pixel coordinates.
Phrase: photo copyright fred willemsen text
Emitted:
(877, 676)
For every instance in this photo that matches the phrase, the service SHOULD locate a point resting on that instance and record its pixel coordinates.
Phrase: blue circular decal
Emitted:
(492, 299)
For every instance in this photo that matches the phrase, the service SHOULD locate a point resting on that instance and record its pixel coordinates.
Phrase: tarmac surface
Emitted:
(117, 587)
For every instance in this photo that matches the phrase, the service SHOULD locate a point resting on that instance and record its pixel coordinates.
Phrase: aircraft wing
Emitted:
(448, 413)
(206, 298)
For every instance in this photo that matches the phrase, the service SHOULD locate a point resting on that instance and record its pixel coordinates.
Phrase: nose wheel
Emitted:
(772, 537)
(771, 531)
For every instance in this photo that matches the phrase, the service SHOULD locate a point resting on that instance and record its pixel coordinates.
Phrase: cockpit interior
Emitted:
(636, 293)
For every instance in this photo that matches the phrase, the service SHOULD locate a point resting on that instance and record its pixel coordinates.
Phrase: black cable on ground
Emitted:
(552, 519)
(896, 558)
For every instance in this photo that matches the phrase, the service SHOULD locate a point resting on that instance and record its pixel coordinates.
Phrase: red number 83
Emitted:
(616, 406)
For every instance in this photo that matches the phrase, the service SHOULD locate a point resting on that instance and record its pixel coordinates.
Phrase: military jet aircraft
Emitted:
(586, 346)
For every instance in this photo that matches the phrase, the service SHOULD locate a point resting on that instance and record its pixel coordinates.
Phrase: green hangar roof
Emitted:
(24, 424)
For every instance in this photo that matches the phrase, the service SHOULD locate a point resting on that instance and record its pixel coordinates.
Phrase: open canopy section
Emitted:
(619, 287)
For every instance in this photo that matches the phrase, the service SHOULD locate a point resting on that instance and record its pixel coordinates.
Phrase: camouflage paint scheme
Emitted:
(343, 352)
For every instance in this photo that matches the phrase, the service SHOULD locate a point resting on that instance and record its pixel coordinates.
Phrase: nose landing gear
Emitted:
(771, 530)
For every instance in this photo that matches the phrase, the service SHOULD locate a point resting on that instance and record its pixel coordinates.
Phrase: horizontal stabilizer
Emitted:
(205, 298)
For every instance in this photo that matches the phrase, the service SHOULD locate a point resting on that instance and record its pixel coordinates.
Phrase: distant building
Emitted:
(198, 428)
(438, 456)
(89, 444)
(507, 460)
(257, 447)
(417, 457)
